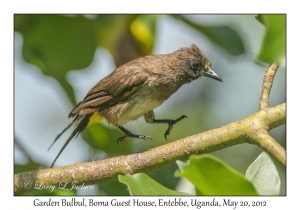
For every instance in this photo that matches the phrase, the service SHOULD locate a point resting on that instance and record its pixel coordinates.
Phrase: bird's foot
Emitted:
(171, 123)
(131, 135)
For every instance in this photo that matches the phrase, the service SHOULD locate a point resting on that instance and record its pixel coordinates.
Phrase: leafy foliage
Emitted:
(264, 175)
(211, 176)
(224, 36)
(274, 43)
(57, 44)
(141, 184)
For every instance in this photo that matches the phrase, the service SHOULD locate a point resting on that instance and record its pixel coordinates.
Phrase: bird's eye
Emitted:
(195, 65)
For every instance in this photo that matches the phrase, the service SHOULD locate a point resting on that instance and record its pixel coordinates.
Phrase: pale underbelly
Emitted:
(142, 102)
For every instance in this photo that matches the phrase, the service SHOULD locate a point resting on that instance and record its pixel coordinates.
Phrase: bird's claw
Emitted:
(145, 137)
(139, 137)
(171, 123)
(121, 139)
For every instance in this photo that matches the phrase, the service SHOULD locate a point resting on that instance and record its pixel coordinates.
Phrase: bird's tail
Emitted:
(78, 129)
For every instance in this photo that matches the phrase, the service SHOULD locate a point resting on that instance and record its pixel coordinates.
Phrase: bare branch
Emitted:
(267, 85)
(267, 143)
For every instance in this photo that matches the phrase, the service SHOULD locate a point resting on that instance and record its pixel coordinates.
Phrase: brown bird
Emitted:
(136, 88)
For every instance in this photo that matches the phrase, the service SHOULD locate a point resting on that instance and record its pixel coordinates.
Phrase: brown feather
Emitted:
(116, 87)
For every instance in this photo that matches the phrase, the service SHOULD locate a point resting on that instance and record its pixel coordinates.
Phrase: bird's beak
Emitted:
(211, 74)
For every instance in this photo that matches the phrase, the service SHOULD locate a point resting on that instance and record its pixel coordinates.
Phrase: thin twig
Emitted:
(267, 85)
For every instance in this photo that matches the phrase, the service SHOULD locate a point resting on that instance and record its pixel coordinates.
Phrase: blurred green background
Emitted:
(58, 58)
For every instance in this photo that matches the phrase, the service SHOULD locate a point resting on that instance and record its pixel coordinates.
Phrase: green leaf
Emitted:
(57, 44)
(114, 188)
(167, 179)
(182, 166)
(141, 184)
(274, 43)
(264, 175)
(224, 36)
(212, 176)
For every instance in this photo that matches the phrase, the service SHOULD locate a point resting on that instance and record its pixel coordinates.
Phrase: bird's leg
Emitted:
(130, 135)
(150, 118)
(170, 123)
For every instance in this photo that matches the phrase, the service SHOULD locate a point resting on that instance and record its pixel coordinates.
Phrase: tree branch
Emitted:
(248, 130)
(267, 85)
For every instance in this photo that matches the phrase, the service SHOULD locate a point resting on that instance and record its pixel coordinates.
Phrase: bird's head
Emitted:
(198, 64)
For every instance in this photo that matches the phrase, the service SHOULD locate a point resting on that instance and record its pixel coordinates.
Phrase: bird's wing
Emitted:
(118, 86)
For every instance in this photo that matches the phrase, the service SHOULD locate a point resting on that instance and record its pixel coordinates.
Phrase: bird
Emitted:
(136, 88)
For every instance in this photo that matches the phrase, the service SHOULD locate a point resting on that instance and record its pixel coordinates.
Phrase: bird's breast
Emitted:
(147, 98)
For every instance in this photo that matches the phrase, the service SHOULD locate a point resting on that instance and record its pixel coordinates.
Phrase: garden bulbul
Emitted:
(136, 88)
